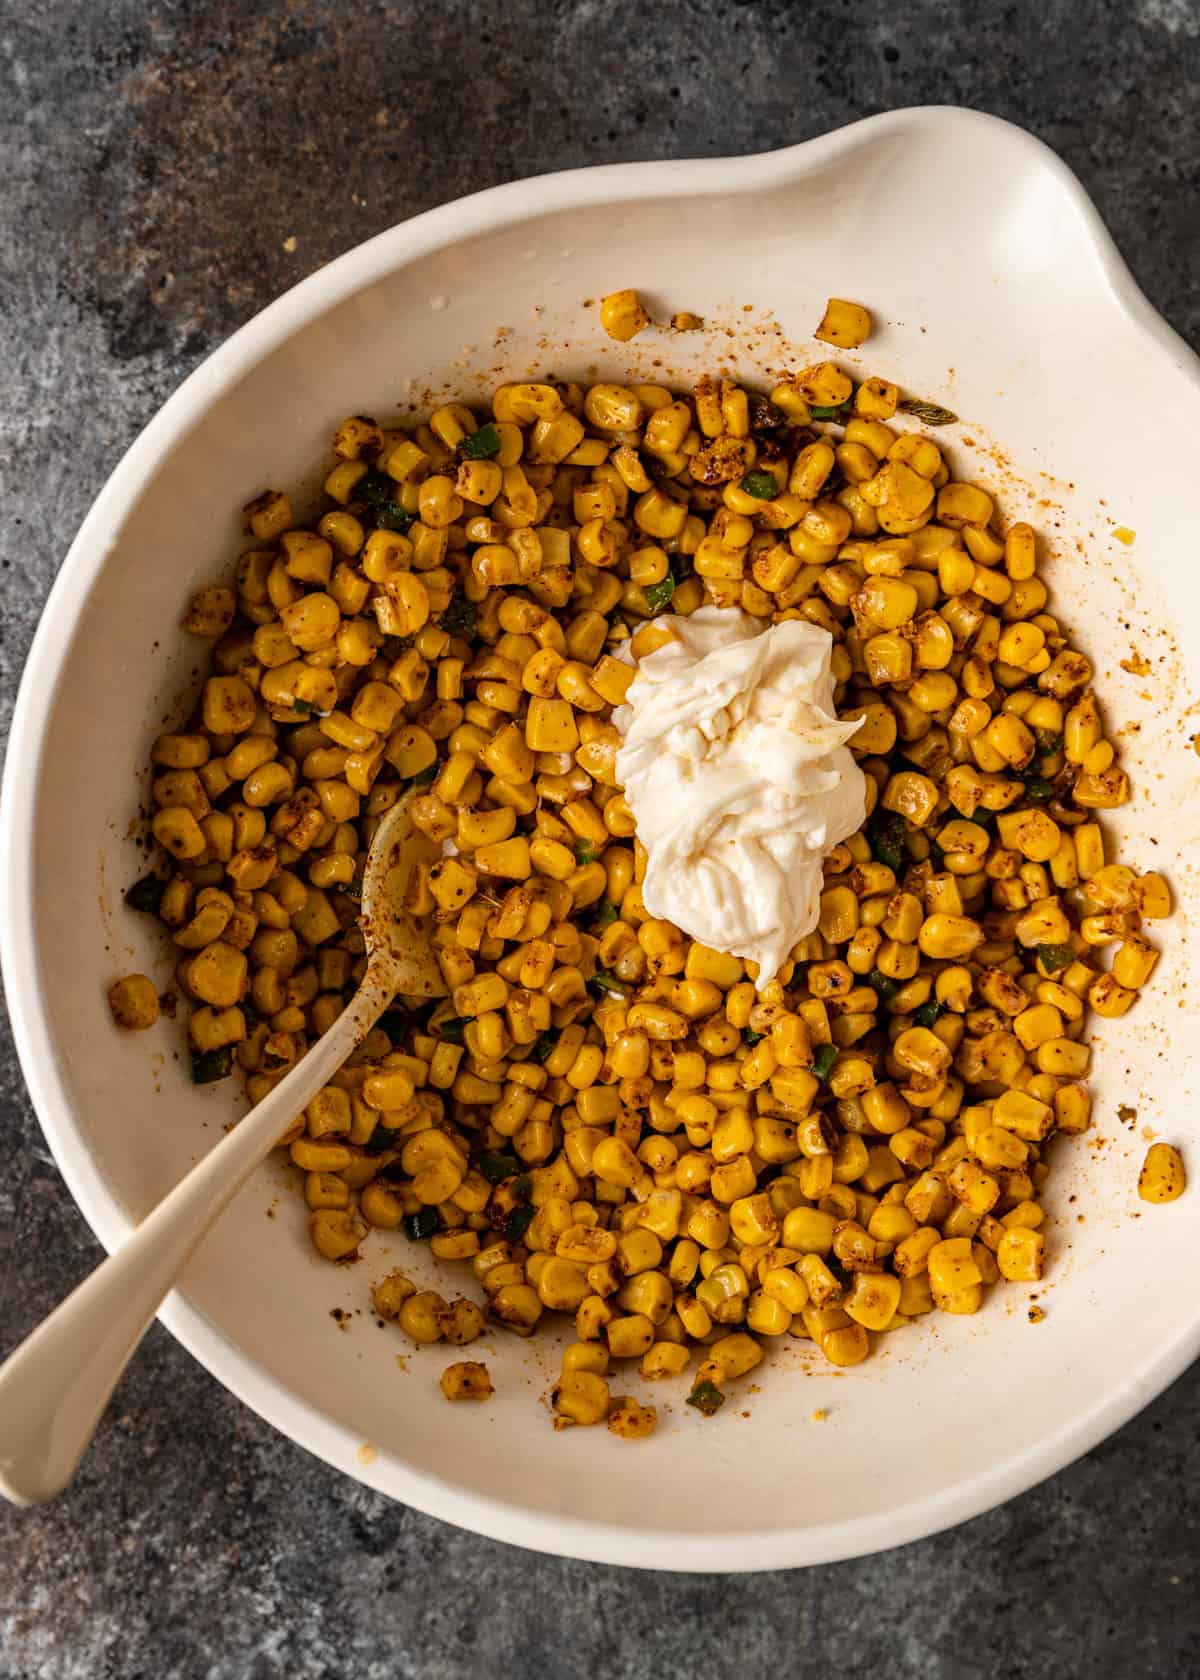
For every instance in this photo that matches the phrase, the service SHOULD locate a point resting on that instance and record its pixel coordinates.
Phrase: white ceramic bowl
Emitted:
(996, 291)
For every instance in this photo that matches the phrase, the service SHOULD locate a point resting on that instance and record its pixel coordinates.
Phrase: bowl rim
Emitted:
(310, 1428)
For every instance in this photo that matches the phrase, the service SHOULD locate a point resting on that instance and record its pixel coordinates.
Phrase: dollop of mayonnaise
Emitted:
(739, 779)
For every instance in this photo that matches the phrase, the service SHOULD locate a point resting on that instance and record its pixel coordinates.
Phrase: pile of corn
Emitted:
(604, 1119)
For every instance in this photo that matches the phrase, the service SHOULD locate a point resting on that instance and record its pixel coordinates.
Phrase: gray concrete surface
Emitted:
(155, 155)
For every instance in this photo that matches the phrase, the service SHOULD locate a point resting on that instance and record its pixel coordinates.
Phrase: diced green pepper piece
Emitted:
(497, 1167)
(146, 894)
(518, 1222)
(1052, 959)
(761, 485)
(824, 1057)
(658, 594)
(481, 445)
(707, 1398)
(420, 1226)
(460, 618)
(211, 1065)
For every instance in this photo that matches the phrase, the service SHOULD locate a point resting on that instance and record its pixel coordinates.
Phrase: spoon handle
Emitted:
(55, 1386)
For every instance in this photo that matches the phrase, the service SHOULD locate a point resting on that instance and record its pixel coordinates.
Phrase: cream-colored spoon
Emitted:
(54, 1388)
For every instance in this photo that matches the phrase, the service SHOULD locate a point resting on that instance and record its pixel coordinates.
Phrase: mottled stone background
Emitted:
(166, 168)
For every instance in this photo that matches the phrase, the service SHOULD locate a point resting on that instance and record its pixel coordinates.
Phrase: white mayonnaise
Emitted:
(736, 771)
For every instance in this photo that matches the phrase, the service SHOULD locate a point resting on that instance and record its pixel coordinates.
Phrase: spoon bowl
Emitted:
(398, 947)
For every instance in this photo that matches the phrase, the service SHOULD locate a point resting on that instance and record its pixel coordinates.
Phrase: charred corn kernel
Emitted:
(329, 1112)
(1113, 887)
(809, 1231)
(631, 1421)
(753, 1220)
(615, 1163)
(915, 1296)
(1134, 962)
(708, 1225)
(507, 858)
(585, 1245)
(1089, 849)
(1020, 1255)
(912, 795)
(973, 1187)
(872, 1300)
(875, 399)
(210, 612)
(335, 1232)
(1101, 790)
(217, 975)
(952, 1267)
(999, 1150)
(358, 438)
(391, 1088)
(839, 914)
(733, 1181)
(1063, 1057)
(453, 1245)
(591, 1318)
(963, 504)
(585, 1356)
(960, 1301)
(178, 832)
(822, 1286)
(845, 1345)
(731, 1357)
(845, 324)
(562, 1285)
(891, 1222)
(1026, 1116)
(312, 1156)
(786, 1287)
(181, 752)
(268, 515)
(1152, 896)
(582, 1397)
(133, 1002)
(648, 1294)
(629, 1337)
(517, 1307)
(767, 1316)
(1038, 1024)
(391, 1292)
(1163, 1177)
(1020, 552)
(550, 726)
(622, 315)
(912, 1253)
(1010, 740)
(928, 1199)
(468, 1379)
(949, 937)
(381, 1206)
(664, 1359)
(1109, 998)
(887, 602)
(658, 1022)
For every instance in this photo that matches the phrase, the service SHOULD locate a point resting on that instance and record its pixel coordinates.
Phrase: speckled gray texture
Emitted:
(154, 159)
